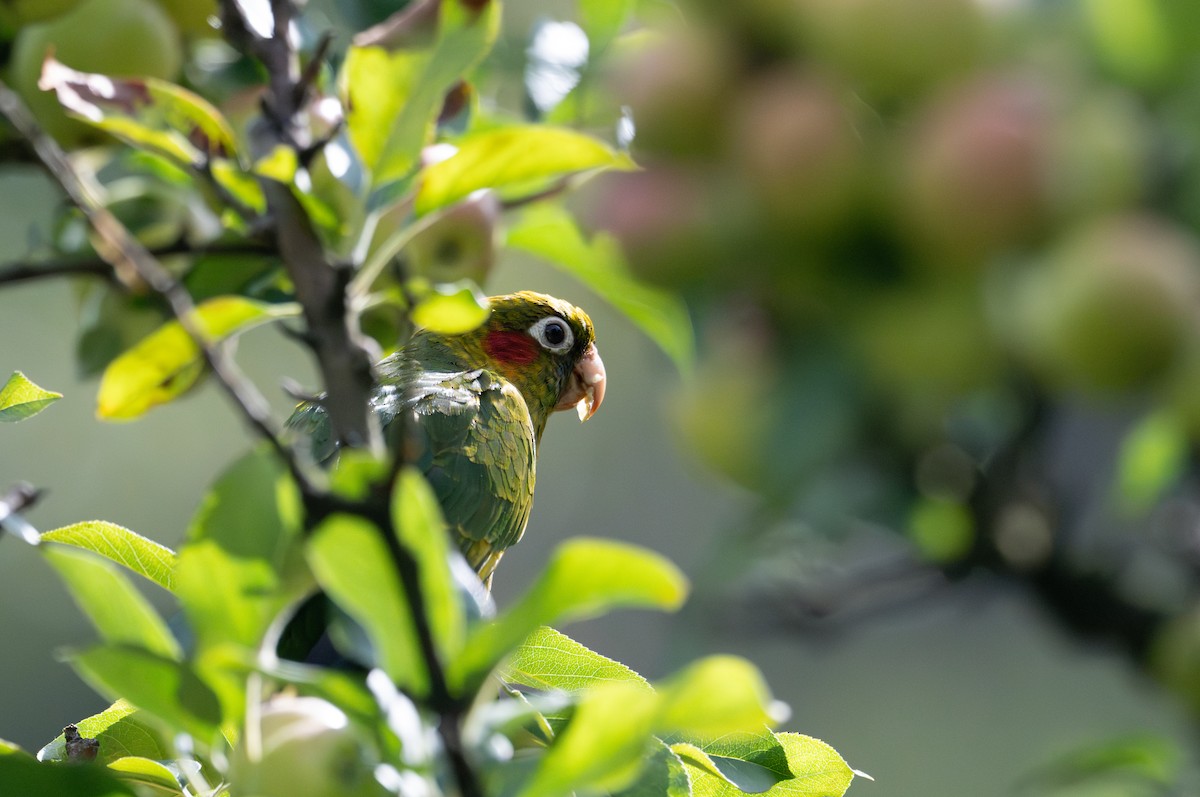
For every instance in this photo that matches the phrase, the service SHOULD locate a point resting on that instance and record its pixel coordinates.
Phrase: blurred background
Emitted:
(932, 466)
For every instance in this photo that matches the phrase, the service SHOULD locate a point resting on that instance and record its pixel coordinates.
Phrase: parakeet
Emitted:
(470, 410)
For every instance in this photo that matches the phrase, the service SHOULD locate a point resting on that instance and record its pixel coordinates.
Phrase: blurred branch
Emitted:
(51, 268)
(134, 266)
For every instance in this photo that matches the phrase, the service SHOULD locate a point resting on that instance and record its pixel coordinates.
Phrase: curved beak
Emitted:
(585, 390)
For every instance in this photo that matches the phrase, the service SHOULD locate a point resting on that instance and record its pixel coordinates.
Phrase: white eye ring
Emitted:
(553, 333)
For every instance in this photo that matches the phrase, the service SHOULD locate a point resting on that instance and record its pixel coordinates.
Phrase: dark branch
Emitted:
(136, 268)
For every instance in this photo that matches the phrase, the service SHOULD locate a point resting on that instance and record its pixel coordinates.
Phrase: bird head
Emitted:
(546, 347)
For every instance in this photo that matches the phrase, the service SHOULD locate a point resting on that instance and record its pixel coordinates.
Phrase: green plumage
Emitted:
(469, 411)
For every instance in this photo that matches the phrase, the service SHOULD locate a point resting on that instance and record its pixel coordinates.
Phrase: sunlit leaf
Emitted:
(119, 612)
(816, 771)
(584, 577)
(10, 748)
(663, 775)
(21, 775)
(151, 776)
(603, 746)
(508, 156)
(394, 98)
(422, 530)
(279, 164)
(146, 113)
(121, 730)
(548, 659)
(139, 554)
(714, 697)
(21, 398)
(602, 20)
(451, 309)
(242, 564)
(169, 690)
(350, 559)
(1153, 456)
(164, 365)
(549, 232)
(1132, 36)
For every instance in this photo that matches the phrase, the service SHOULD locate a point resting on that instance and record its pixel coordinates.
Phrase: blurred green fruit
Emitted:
(1114, 306)
(796, 144)
(678, 87)
(461, 244)
(889, 48)
(972, 179)
(18, 13)
(111, 37)
(307, 748)
(191, 16)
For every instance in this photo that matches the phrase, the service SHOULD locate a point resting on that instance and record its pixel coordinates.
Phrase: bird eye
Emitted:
(553, 333)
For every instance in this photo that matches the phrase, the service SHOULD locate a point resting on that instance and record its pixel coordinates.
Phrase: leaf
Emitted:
(662, 775)
(604, 744)
(165, 364)
(1152, 458)
(1132, 36)
(139, 554)
(395, 98)
(714, 697)
(169, 690)
(121, 731)
(146, 113)
(519, 155)
(602, 20)
(585, 577)
(452, 309)
(350, 559)
(119, 612)
(11, 748)
(548, 659)
(750, 762)
(21, 776)
(242, 564)
(817, 771)
(422, 530)
(21, 399)
(151, 776)
(549, 232)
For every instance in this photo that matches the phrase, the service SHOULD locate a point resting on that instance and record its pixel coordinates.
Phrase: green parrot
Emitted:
(471, 410)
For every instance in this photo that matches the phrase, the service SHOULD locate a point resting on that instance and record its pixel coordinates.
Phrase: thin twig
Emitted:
(133, 266)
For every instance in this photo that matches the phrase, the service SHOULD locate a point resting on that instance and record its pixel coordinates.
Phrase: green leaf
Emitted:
(139, 554)
(121, 730)
(548, 659)
(451, 309)
(585, 577)
(21, 399)
(11, 748)
(521, 155)
(21, 776)
(417, 516)
(714, 697)
(350, 559)
(1153, 456)
(146, 113)
(942, 529)
(151, 776)
(119, 612)
(604, 744)
(548, 231)
(750, 762)
(169, 690)
(602, 20)
(816, 771)
(395, 98)
(662, 775)
(243, 563)
(166, 363)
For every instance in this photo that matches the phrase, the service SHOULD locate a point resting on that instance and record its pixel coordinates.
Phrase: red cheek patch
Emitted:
(514, 348)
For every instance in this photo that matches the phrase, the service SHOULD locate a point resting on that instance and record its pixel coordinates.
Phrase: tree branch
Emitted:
(135, 268)
(53, 268)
